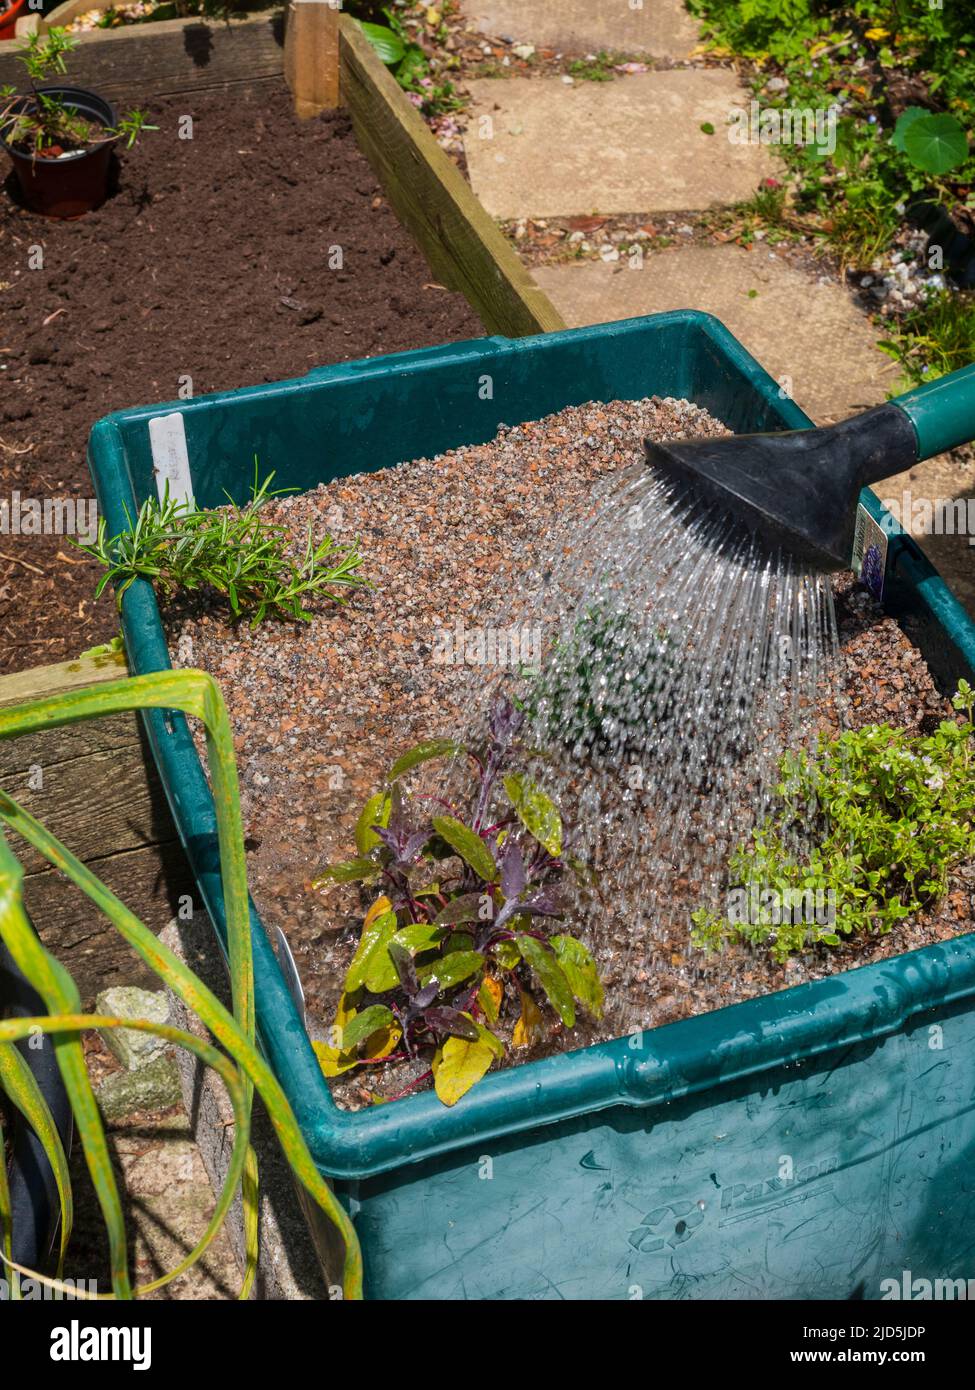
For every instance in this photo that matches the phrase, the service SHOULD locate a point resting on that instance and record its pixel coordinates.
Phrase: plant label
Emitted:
(170, 459)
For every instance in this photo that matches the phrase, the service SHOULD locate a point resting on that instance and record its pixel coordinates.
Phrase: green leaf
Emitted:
(489, 996)
(419, 936)
(389, 46)
(451, 969)
(352, 871)
(707, 127)
(460, 1064)
(468, 844)
(422, 753)
(537, 813)
(580, 970)
(371, 953)
(375, 812)
(506, 953)
(936, 143)
(904, 121)
(363, 1025)
(551, 977)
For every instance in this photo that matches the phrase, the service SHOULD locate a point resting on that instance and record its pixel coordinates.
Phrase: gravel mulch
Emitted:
(320, 711)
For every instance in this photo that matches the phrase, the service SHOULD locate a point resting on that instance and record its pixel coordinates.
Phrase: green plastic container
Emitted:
(808, 1144)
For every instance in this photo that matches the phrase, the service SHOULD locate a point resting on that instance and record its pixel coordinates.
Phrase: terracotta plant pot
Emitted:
(9, 17)
(78, 181)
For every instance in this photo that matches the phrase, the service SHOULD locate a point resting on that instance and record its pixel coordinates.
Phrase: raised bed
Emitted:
(169, 61)
(620, 1170)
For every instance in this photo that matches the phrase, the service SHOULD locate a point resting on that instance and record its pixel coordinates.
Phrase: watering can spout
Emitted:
(798, 489)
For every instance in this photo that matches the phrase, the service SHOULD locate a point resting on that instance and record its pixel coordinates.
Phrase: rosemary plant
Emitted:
(233, 551)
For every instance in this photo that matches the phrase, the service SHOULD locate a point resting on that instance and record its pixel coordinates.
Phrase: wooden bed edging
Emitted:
(466, 249)
(170, 58)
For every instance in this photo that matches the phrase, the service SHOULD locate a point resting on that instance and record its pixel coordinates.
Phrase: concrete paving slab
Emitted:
(807, 333)
(662, 28)
(941, 481)
(538, 148)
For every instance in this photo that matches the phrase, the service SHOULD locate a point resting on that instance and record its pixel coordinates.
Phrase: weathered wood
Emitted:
(95, 786)
(311, 55)
(171, 58)
(466, 249)
(39, 681)
(151, 881)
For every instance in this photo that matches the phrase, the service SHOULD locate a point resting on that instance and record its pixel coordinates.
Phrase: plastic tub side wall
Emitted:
(819, 1180)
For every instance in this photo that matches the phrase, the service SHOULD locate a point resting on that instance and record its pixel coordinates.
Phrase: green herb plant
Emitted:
(43, 122)
(891, 815)
(935, 338)
(462, 940)
(232, 551)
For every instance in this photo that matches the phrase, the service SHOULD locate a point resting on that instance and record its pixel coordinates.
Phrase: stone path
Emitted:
(538, 148)
(658, 27)
(541, 147)
(806, 332)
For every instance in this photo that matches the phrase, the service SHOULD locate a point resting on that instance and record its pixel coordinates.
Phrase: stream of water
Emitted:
(678, 661)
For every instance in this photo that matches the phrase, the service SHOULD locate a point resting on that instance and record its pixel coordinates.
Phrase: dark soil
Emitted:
(211, 261)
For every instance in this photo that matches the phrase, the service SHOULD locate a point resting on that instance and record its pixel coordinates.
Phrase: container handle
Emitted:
(942, 411)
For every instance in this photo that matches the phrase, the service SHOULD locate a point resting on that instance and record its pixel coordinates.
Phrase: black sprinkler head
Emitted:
(797, 489)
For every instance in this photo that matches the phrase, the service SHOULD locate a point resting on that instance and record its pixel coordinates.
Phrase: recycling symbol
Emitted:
(671, 1225)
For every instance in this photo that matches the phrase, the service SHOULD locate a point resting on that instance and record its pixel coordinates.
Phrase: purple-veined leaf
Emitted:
(512, 869)
(469, 907)
(447, 1020)
(405, 969)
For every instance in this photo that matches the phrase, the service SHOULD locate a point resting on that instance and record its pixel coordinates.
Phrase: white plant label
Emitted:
(170, 459)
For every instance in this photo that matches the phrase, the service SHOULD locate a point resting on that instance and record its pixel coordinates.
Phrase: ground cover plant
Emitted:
(465, 930)
(233, 552)
(892, 815)
(900, 75)
(405, 37)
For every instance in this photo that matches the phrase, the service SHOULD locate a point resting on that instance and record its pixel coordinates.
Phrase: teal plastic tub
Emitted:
(809, 1144)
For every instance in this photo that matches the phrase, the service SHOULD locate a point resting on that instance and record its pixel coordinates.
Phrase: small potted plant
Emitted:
(60, 138)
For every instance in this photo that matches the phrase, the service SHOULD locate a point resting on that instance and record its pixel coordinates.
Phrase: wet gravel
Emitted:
(321, 710)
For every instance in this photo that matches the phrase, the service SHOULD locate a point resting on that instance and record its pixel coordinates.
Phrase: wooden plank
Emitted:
(466, 249)
(106, 800)
(96, 787)
(171, 58)
(34, 684)
(311, 55)
(150, 881)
